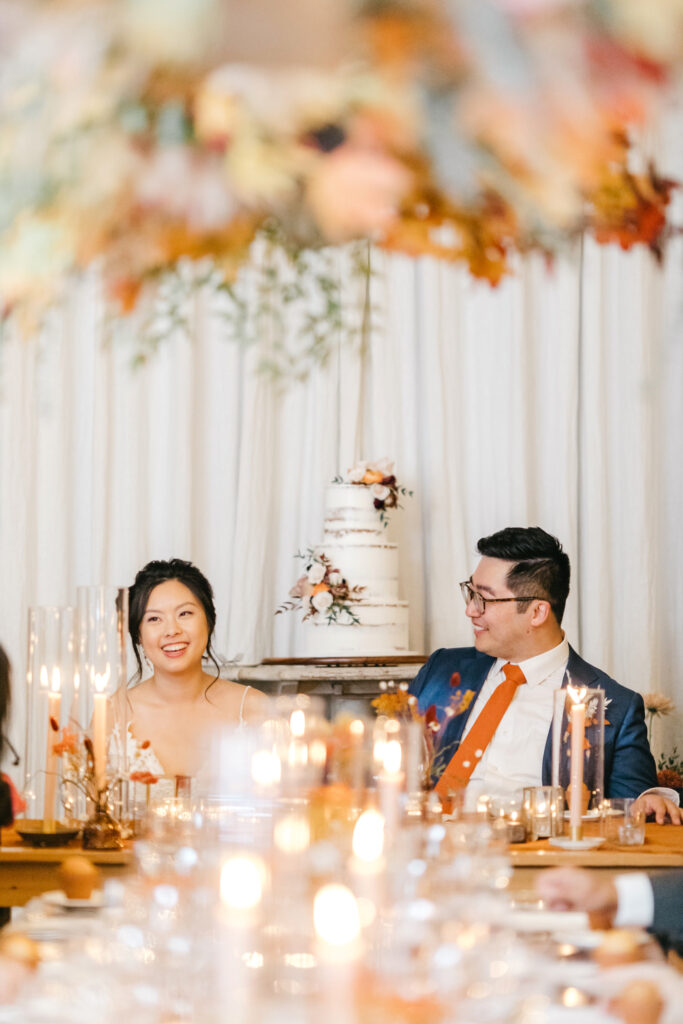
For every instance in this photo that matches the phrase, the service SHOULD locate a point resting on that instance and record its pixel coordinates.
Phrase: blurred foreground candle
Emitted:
(99, 728)
(368, 842)
(577, 716)
(243, 880)
(338, 947)
(390, 785)
(367, 864)
(357, 772)
(54, 702)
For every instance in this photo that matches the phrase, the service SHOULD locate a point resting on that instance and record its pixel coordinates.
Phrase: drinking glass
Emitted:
(623, 822)
(542, 811)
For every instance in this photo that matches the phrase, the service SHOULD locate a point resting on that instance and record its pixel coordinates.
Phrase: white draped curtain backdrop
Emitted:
(554, 399)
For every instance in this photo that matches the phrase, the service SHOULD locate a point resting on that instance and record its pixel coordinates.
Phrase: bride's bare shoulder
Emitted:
(235, 698)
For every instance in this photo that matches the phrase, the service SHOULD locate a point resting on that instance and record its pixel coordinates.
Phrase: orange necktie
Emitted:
(471, 750)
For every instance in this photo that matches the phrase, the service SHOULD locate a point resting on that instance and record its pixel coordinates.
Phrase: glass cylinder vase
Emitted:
(50, 674)
(102, 630)
(578, 741)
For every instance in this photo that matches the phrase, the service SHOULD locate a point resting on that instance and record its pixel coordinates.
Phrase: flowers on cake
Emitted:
(380, 479)
(323, 591)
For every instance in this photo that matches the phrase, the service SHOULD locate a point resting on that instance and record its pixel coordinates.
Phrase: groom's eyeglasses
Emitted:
(471, 596)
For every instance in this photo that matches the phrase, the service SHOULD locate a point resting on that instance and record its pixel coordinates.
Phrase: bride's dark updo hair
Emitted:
(149, 577)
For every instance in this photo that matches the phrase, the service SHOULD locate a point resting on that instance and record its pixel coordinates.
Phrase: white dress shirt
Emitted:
(514, 757)
(635, 901)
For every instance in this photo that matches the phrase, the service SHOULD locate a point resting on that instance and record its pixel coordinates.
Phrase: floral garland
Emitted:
(323, 591)
(135, 134)
(384, 488)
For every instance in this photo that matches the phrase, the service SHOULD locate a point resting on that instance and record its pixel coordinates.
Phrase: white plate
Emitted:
(57, 898)
(588, 816)
(546, 920)
(587, 939)
(565, 843)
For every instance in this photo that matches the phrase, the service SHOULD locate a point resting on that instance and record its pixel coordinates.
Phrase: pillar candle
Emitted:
(54, 699)
(578, 721)
(99, 737)
(390, 785)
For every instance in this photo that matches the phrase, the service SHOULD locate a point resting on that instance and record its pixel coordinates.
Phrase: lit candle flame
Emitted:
(102, 679)
(392, 757)
(56, 680)
(577, 693)
(368, 836)
(335, 915)
(297, 722)
(356, 727)
(242, 882)
(266, 769)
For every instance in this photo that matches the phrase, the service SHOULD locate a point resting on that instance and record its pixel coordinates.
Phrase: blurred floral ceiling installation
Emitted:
(136, 132)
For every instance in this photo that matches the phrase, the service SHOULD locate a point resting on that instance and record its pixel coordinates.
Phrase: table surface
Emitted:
(663, 848)
(26, 871)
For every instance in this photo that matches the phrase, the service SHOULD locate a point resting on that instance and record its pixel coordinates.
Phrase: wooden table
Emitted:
(663, 848)
(27, 871)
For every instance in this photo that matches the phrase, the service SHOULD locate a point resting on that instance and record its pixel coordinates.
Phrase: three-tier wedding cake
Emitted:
(350, 591)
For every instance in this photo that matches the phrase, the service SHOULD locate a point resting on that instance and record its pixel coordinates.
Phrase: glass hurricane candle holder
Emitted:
(102, 628)
(543, 811)
(578, 750)
(49, 699)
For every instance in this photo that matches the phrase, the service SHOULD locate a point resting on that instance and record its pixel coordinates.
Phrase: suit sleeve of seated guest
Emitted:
(668, 898)
(629, 765)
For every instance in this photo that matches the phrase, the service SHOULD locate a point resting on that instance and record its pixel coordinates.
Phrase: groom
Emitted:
(498, 737)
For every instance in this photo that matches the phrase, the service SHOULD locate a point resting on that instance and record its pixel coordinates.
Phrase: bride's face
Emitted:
(174, 631)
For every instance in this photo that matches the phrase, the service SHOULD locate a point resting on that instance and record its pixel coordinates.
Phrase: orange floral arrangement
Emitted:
(78, 763)
(397, 702)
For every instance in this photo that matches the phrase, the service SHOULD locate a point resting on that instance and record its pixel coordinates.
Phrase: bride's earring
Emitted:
(148, 663)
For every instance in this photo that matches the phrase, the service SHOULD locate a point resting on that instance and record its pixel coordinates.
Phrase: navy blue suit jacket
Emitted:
(629, 766)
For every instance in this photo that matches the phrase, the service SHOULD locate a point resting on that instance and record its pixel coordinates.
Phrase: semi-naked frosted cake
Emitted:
(355, 544)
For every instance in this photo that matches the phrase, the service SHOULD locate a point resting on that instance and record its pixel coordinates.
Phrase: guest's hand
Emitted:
(664, 810)
(578, 889)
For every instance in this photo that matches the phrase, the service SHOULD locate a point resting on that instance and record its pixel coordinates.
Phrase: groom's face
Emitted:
(503, 629)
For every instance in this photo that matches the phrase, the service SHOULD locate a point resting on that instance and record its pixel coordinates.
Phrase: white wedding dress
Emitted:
(149, 782)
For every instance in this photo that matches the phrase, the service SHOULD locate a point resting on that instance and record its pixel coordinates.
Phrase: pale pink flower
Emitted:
(356, 191)
(302, 588)
(380, 492)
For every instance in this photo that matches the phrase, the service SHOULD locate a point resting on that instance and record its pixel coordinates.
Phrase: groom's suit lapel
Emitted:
(577, 671)
(473, 675)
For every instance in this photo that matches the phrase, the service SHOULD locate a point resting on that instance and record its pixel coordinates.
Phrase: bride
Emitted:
(172, 617)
